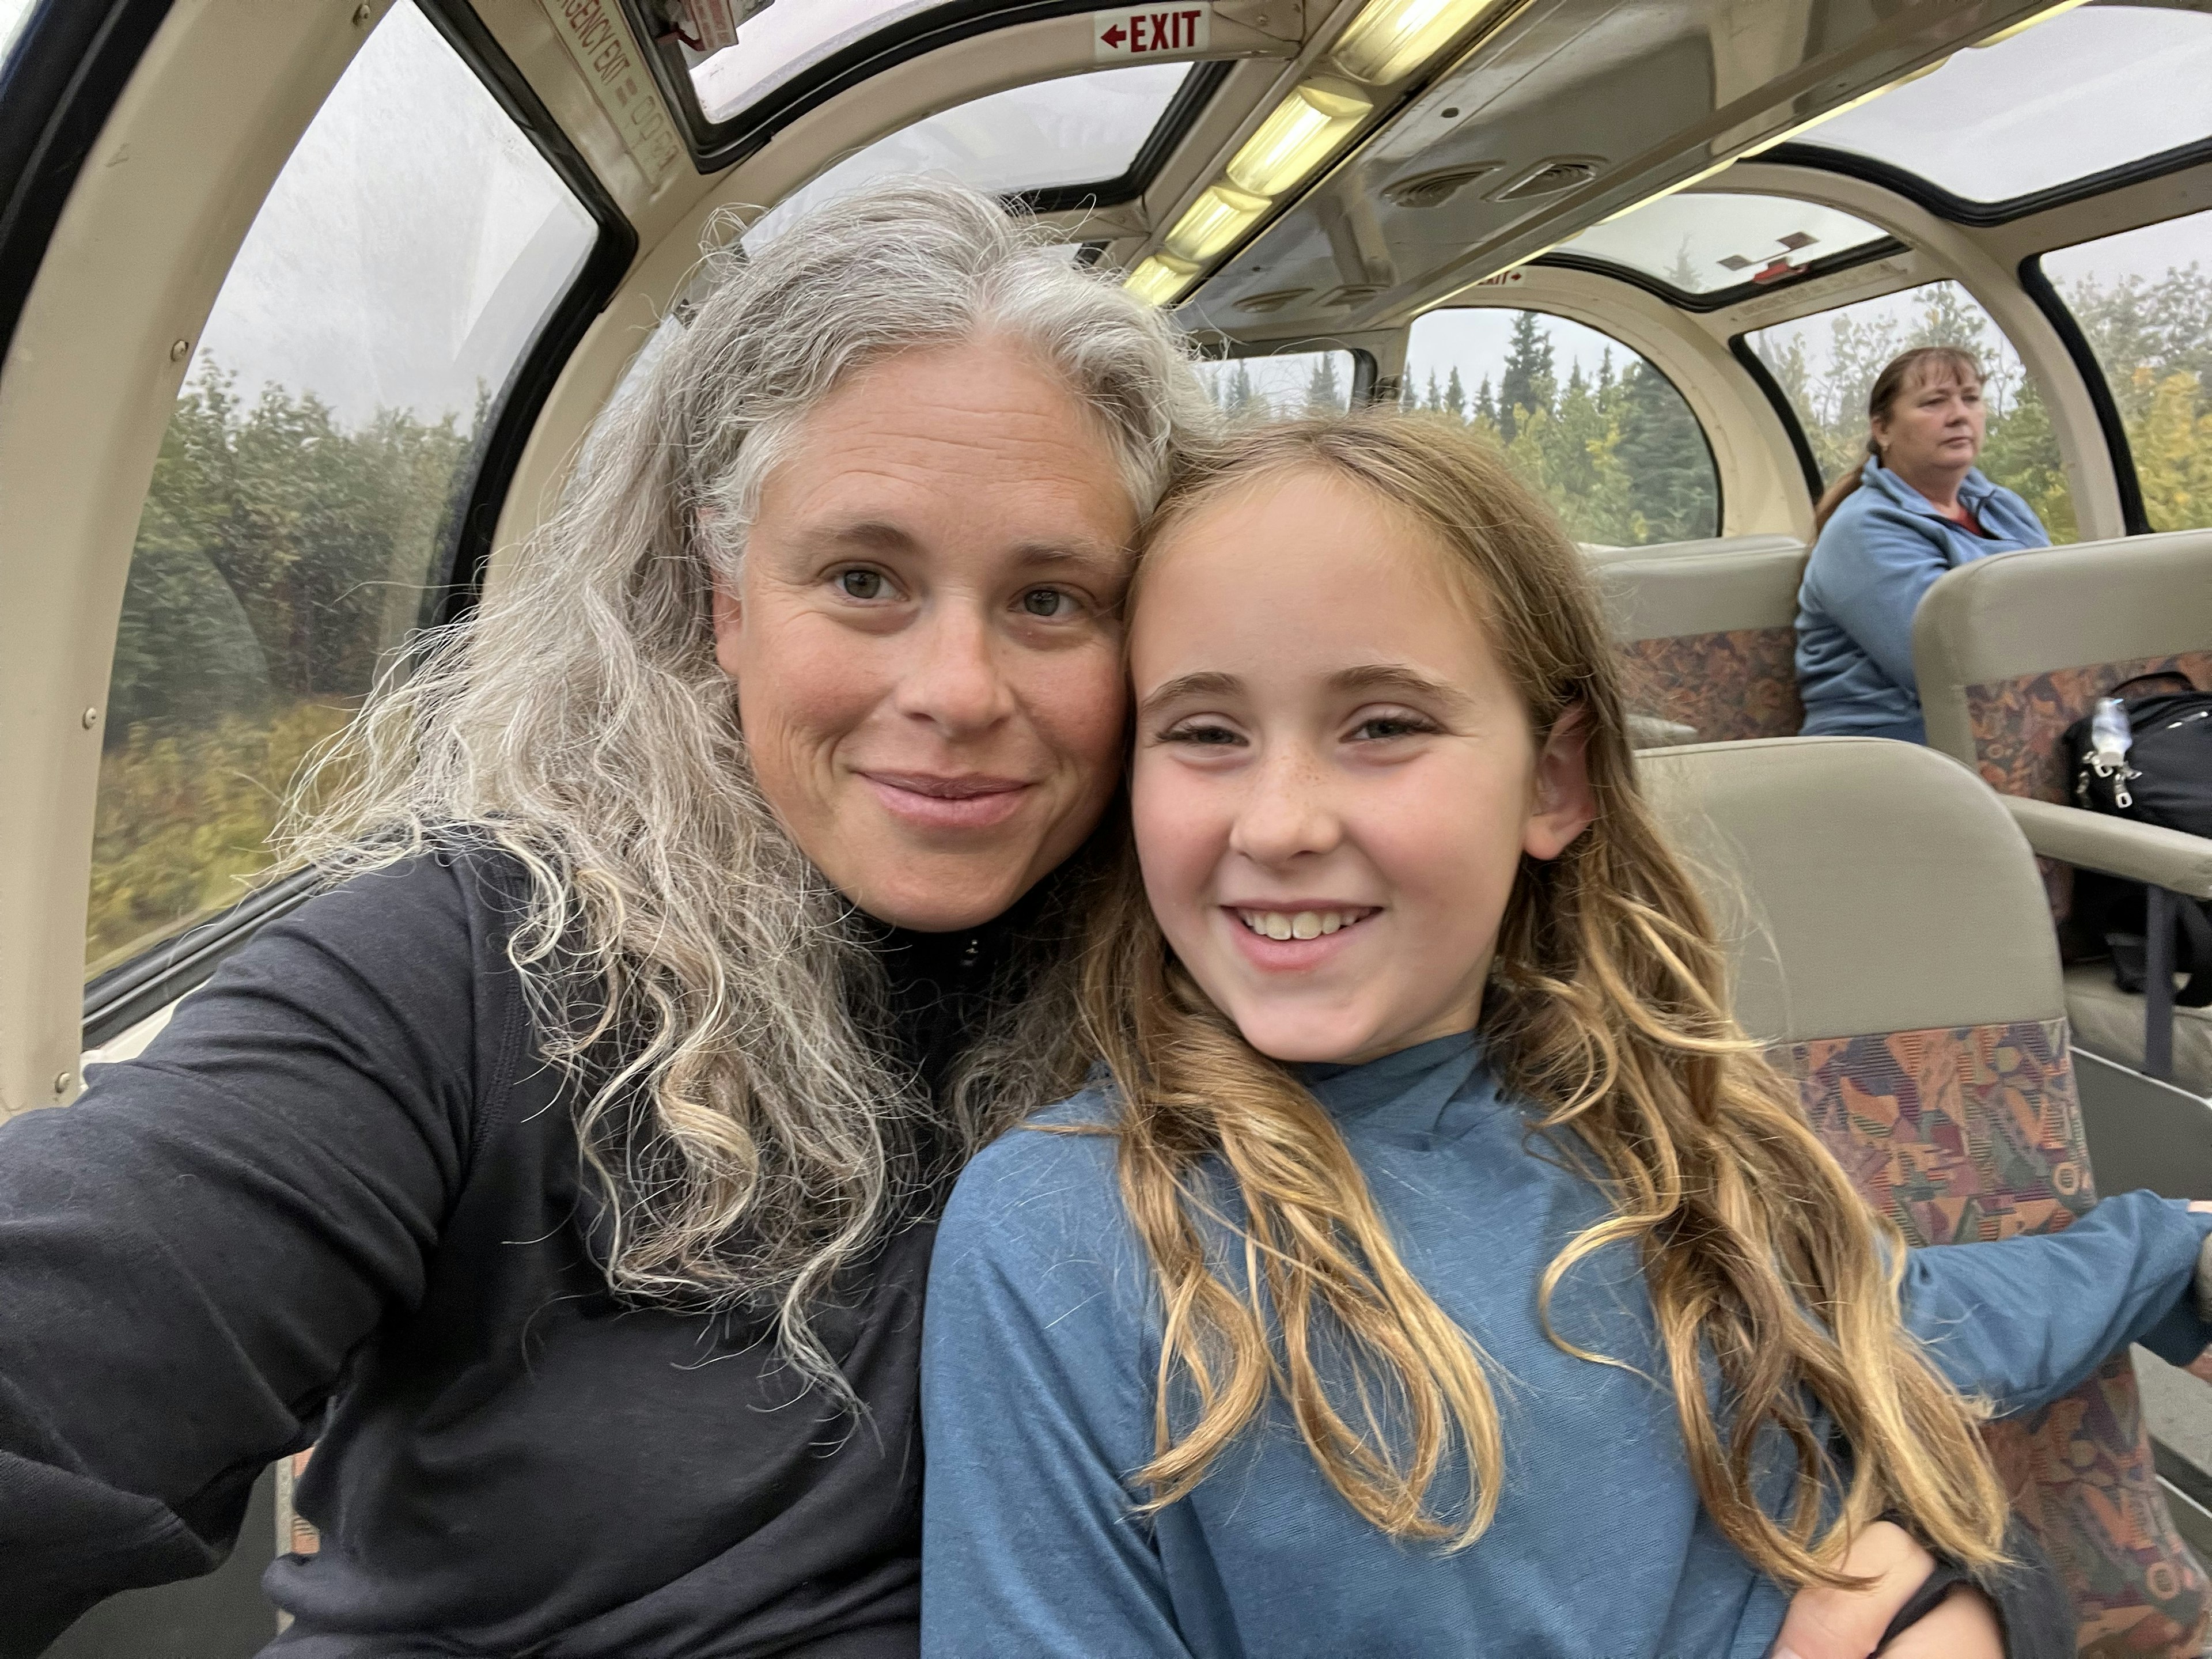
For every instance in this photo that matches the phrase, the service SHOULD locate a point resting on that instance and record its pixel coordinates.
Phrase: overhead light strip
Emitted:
(1389, 41)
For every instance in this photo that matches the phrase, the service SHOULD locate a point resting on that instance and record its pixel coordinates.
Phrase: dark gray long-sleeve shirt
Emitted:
(338, 1200)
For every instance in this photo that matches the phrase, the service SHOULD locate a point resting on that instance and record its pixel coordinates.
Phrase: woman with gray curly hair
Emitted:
(566, 1171)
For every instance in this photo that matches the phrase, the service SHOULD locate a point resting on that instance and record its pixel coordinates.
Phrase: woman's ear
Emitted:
(1565, 805)
(729, 610)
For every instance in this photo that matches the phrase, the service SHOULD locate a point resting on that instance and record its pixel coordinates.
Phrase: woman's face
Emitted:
(925, 635)
(1932, 428)
(1335, 778)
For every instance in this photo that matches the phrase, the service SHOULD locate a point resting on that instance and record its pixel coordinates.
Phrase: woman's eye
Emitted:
(1048, 602)
(860, 584)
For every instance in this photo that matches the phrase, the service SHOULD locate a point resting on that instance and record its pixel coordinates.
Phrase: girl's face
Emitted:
(1334, 778)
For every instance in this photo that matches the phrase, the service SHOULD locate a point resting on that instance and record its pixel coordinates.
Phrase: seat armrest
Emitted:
(2119, 846)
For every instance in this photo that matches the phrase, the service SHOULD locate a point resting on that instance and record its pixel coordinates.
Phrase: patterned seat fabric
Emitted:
(1726, 686)
(2018, 724)
(1975, 1134)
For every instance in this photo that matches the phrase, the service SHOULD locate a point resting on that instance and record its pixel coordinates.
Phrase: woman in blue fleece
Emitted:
(1916, 508)
(1433, 1268)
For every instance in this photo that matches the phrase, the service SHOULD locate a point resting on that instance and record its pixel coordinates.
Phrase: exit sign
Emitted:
(1135, 34)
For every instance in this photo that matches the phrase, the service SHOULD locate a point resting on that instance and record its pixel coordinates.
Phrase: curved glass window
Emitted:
(2092, 90)
(301, 510)
(1599, 431)
(1827, 364)
(1702, 243)
(2144, 303)
(1287, 383)
(782, 41)
(14, 14)
(1077, 131)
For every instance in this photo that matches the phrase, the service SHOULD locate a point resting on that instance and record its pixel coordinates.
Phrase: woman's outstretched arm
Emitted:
(189, 1254)
(2026, 1320)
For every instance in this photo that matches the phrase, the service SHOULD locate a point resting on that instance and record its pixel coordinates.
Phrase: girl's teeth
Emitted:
(1305, 924)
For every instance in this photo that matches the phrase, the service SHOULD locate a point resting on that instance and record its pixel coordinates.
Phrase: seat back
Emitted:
(2011, 650)
(1710, 638)
(1891, 948)
(1763, 543)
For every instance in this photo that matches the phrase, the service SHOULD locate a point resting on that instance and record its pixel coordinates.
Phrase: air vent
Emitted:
(1428, 190)
(1550, 177)
(1351, 294)
(1271, 301)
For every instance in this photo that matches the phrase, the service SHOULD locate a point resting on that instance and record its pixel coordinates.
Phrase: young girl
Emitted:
(1439, 1271)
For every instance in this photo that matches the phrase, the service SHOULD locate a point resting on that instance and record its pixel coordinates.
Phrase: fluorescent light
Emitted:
(1294, 140)
(1215, 220)
(1391, 39)
(1159, 279)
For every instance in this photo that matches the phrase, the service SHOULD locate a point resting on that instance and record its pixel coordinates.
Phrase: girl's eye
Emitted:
(1201, 733)
(1380, 727)
(1048, 602)
(858, 584)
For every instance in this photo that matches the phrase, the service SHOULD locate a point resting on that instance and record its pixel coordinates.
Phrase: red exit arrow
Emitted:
(1114, 36)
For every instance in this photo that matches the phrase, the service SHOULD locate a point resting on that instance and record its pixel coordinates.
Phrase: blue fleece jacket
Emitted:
(1883, 548)
(1042, 1335)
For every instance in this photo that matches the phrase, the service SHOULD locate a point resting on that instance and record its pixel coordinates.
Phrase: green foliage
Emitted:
(2154, 342)
(279, 555)
(1621, 460)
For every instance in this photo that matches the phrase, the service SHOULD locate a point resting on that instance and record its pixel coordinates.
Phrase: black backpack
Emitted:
(2166, 780)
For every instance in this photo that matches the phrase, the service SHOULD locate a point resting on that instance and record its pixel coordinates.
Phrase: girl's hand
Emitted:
(1833, 1624)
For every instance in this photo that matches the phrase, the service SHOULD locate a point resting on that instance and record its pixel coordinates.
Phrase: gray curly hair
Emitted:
(719, 1007)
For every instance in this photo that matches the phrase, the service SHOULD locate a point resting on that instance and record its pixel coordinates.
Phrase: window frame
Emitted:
(2045, 292)
(715, 145)
(130, 991)
(1720, 298)
(1957, 209)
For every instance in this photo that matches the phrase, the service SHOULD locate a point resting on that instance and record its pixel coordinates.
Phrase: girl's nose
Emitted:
(1287, 815)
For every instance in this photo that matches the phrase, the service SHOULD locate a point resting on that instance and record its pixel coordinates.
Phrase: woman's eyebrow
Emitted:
(1210, 683)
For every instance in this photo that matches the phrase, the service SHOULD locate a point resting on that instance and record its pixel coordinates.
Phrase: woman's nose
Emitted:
(953, 680)
(1286, 814)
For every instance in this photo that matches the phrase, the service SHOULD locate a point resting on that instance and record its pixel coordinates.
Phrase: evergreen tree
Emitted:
(1485, 404)
(1322, 395)
(1456, 396)
(1663, 451)
(1436, 399)
(1526, 384)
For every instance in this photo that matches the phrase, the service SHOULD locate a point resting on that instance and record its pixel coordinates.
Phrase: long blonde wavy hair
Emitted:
(1607, 1009)
(719, 1007)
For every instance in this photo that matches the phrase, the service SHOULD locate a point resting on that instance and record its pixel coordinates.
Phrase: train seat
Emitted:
(1600, 555)
(2010, 652)
(1891, 949)
(1711, 637)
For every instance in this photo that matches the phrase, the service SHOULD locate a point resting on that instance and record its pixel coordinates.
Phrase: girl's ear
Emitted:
(1564, 805)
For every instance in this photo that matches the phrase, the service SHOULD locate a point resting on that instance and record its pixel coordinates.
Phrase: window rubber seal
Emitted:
(1740, 348)
(58, 87)
(1922, 192)
(122, 996)
(2039, 288)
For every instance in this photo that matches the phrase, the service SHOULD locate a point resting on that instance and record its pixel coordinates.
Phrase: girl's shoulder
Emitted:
(1046, 1184)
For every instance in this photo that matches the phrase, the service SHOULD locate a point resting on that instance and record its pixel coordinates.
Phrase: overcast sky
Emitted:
(410, 247)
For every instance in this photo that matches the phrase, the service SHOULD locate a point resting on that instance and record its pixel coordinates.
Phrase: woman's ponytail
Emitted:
(1846, 480)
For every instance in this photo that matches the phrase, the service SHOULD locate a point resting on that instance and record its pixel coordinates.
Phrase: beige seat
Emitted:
(1891, 947)
(1703, 545)
(1710, 638)
(2010, 652)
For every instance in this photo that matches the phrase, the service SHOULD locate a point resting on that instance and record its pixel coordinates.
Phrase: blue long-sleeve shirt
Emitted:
(1883, 548)
(1042, 1341)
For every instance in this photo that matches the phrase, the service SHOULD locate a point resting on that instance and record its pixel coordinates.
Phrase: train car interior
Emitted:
(306, 307)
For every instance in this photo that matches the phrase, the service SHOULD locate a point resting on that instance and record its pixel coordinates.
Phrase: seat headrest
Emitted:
(1703, 545)
(1863, 886)
(2013, 615)
(1665, 598)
